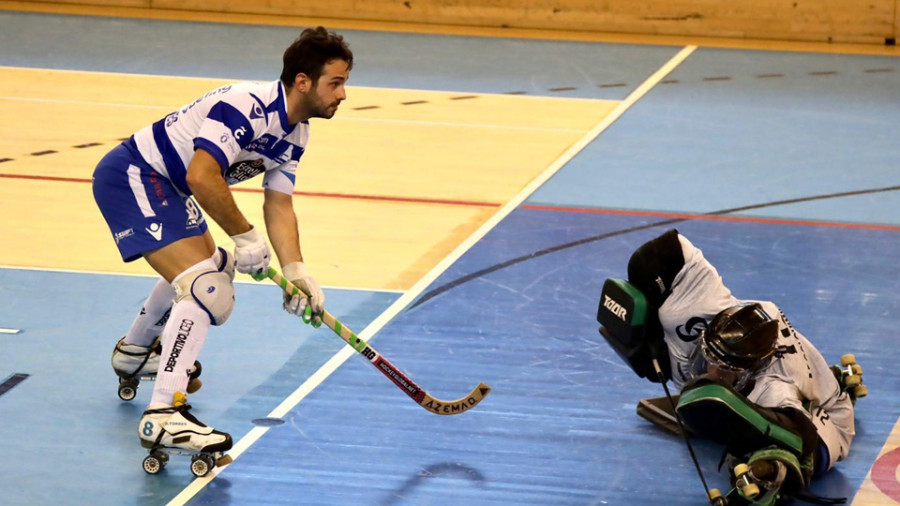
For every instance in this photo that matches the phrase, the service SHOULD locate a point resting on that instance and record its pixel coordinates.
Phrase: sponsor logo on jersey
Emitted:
(128, 232)
(691, 330)
(188, 107)
(256, 112)
(277, 150)
(259, 145)
(155, 230)
(242, 171)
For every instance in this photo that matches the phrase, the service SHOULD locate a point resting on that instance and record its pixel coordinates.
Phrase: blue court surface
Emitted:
(780, 166)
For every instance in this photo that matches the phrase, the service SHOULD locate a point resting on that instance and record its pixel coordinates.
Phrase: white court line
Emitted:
(88, 102)
(10, 331)
(242, 280)
(338, 118)
(320, 375)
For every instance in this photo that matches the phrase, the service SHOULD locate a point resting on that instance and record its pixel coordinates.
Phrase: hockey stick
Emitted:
(402, 381)
(714, 496)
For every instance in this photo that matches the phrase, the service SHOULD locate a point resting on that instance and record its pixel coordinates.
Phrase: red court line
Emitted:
(412, 200)
(351, 196)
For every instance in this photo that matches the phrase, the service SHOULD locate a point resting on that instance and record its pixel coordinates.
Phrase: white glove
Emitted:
(310, 302)
(251, 254)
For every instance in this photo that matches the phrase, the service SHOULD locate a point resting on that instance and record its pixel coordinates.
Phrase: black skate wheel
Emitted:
(202, 464)
(127, 391)
(154, 463)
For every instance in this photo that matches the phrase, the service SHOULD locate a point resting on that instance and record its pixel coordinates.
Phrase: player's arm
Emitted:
(281, 224)
(204, 178)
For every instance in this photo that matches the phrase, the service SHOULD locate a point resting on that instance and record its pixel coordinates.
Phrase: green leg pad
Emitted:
(717, 412)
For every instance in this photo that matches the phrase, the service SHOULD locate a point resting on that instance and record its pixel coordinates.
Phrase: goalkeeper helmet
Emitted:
(741, 338)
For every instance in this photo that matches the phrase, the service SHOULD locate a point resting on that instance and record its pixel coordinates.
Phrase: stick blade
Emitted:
(458, 406)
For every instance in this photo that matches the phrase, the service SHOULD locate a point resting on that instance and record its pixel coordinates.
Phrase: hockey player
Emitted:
(151, 190)
(748, 379)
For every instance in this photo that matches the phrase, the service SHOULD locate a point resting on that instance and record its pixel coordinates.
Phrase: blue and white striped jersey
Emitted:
(244, 126)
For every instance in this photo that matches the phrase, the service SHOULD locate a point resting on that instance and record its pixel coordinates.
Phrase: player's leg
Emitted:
(144, 212)
(137, 353)
(149, 218)
(778, 446)
(136, 203)
(204, 297)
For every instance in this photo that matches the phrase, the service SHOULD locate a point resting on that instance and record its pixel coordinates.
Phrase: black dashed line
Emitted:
(366, 107)
(464, 97)
(768, 76)
(717, 78)
(874, 71)
(42, 153)
(88, 145)
(823, 73)
(5, 160)
(613, 85)
(669, 81)
(515, 93)
(414, 102)
(12, 381)
(563, 88)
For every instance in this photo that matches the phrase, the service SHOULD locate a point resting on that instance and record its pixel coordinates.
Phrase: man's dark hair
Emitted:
(311, 51)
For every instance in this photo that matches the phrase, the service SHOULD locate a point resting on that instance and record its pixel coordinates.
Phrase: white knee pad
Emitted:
(225, 262)
(211, 290)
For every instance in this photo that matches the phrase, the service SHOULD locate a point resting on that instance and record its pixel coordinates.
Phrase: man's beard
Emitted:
(319, 110)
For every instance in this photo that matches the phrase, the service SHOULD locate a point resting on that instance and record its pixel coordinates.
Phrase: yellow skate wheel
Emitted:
(848, 359)
(224, 460)
(179, 399)
(715, 496)
(860, 391)
(856, 369)
(740, 470)
(852, 381)
(750, 490)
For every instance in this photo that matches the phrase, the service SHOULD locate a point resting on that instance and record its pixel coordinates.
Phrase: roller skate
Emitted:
(769, 477)
(849, 377)
(172, 430)
(133, 363)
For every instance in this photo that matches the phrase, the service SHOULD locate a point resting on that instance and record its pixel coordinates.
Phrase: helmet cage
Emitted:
(740, 339)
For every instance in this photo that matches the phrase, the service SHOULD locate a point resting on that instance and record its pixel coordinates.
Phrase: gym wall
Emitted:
(838, 21)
